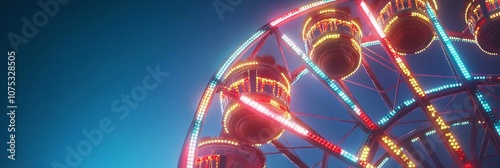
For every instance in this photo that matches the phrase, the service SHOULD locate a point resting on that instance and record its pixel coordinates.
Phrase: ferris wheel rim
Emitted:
(214, 82)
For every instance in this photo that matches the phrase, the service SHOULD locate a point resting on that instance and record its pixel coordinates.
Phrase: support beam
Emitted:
(377, 84)
(431, 152)
(294, 158)
(324, 160)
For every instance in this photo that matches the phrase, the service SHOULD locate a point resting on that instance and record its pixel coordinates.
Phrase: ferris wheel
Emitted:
(339, 40)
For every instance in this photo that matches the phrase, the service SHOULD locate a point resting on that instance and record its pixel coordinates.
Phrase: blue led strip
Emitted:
(446, 40)
(301, 74)
(393, 112)
(236, 53)
(409, 102)
(480, 77)
(383, 162)
(370, 43)
(458, 61)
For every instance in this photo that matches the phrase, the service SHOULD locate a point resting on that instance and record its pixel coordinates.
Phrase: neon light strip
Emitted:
(367, 142)
(300, 75)
(383, 162)
(458, 61)
(398, 151)
(393, 112)
(197, 125)
(291, 125)
(364, 153)
(372, 20)
(370, 43)
(298, 11)
(446, 40)
(284, 121)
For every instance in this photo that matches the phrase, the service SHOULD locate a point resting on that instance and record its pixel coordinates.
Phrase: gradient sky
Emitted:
(92, 52)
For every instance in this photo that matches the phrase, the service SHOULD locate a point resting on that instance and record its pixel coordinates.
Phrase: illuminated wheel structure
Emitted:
(259, 112)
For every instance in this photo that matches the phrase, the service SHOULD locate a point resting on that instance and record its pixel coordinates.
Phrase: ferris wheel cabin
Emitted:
(265, 82)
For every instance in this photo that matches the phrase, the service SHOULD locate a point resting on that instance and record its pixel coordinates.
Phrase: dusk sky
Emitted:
(76, 75)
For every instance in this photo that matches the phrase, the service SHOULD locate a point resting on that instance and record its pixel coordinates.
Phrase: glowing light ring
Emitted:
(218, 141)
(481, 48)
(298, 11)
(226, 115)
(239, 67)
(304, 28)
(467, 11)
(354, 28)
(390, 23)
(458, 61)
